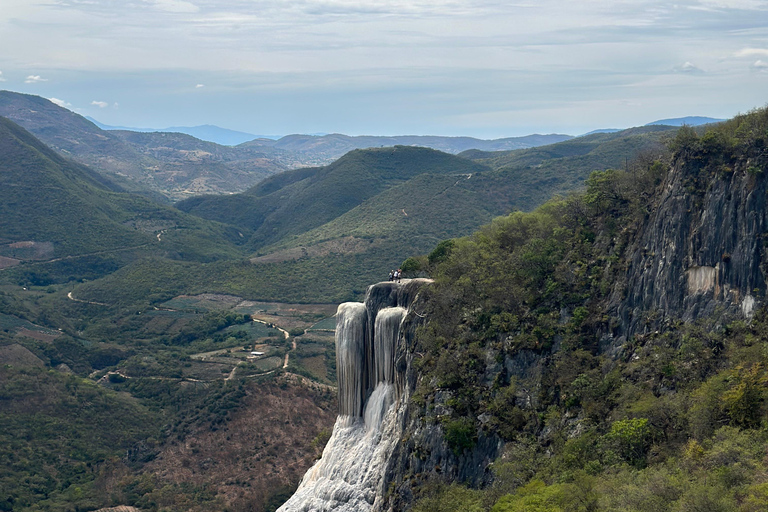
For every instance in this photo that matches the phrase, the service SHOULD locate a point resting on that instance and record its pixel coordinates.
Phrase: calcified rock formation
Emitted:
(371, 362)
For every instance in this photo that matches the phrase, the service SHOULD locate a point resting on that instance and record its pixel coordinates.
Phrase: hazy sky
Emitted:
(485, 68)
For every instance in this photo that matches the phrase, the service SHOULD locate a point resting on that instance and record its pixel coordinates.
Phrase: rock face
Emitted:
(373, 355)
(701, 252)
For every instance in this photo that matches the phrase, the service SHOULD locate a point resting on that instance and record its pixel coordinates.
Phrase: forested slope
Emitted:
(540, 353)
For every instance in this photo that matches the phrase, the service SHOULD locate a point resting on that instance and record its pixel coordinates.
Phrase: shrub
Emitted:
(631, 439)
(441, 252)
(460, 434)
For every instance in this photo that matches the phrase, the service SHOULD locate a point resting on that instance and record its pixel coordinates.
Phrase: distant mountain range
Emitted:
(306, 234)
(172, 165)
(325, 148)
(331, 146)
(208, 132)
(178, 164)
(690, 121)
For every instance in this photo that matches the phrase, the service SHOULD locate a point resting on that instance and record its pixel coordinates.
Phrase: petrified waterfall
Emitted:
(349, 476)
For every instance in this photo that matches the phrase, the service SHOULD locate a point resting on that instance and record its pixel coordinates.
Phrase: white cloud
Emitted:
(100, 104)
(752, 52)
(175, 6)
(687, 67)
(760, 65)
(389, 47)
(1, 77)
(61, 103)
(736, 4)
(33, 79)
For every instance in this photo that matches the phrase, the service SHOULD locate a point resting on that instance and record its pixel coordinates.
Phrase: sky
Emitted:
(482, 68)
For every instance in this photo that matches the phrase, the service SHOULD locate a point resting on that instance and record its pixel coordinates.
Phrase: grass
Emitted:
(255, 330)
(326, 323)
(292, 207)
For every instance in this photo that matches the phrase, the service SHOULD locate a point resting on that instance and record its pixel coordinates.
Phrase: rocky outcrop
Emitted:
(700, 253)
(422, 453)
(381, 447)
(373, 359)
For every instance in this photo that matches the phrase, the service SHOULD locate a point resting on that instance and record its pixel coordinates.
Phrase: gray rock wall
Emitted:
(422, 453)
(700, 253)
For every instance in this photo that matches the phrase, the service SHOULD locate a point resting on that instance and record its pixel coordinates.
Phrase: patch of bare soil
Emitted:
(46, 337)
(207, 301)
(285, 315)
(345, 245)
(8, 262)
(29, 250)
(16, 355)
(263, 450)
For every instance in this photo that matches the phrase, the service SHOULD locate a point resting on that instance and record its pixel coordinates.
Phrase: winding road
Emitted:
(285, 334)
(70, 297)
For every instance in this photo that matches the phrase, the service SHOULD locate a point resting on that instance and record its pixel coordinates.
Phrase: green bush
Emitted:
(460, 434)
(631, 439)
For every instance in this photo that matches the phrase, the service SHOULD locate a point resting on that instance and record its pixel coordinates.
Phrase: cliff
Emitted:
(374, 341)
(583, 355)
(701, 252)
(596, 337)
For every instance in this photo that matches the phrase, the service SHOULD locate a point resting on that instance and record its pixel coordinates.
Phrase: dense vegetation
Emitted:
(58, 430)
(520, 341)
(563, 167)
(281, 207)
(47, 199)
(96, 298)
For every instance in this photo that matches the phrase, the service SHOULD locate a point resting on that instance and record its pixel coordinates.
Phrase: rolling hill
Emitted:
(174, 165)
(52, 207)
(564, 166)
(406, 192)
(177, 165)
(296, 201)
(45, 198)
(322, 149)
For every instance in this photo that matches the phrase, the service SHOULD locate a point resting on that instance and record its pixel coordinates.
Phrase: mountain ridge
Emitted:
(143, 162)
(206, 132)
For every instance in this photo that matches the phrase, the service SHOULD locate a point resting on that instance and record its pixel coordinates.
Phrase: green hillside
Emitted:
(559, 168)
(524, 345)
(331, 230)
(67, 210)
(44, 198)
(170, 165)
(282, 207)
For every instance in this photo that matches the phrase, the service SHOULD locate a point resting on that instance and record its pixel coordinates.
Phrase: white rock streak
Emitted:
(348, 476)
